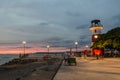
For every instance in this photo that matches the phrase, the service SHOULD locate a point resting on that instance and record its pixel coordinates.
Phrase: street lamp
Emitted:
(86, 51)
(48, 46)
(76, 44)
(86, 46)
(24, 43)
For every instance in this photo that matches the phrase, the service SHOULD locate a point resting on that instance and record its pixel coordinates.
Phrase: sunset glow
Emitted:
(32, 48)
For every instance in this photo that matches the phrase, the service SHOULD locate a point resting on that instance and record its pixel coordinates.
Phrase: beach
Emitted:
(30, 69)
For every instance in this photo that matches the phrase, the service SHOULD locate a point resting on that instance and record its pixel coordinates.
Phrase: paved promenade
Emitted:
(91, 69)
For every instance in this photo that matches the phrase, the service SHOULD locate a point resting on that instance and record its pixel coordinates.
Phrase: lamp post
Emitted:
(47, 57)
(76, 44)
(86, 46)
(24, 43)
(86, 51)
(48, 46)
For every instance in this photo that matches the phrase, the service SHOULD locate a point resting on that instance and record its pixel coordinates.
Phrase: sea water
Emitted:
(7, 57)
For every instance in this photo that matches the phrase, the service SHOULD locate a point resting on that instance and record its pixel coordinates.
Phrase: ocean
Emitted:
(7, 57)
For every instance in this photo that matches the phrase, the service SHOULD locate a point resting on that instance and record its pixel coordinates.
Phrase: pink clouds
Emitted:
(13, 48)
(30, 48)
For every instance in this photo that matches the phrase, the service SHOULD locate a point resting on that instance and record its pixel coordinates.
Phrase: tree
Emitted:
(116, 43)
(110, 40)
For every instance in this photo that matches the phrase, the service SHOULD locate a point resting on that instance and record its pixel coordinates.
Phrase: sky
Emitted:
(58, 23)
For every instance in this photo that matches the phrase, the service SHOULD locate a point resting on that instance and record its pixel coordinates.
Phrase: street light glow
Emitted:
(24, 42)
(76, 43)
(48, 46)
(86, 46)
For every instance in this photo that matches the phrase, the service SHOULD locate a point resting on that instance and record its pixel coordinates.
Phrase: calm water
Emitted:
(7, 57)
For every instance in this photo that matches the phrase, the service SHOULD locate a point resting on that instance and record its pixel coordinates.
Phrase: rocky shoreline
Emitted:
(30, 69)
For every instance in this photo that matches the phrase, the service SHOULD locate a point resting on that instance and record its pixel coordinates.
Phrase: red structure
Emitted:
(97, 51)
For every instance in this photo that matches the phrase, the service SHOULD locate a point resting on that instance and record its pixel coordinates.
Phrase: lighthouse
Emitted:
(96, 28)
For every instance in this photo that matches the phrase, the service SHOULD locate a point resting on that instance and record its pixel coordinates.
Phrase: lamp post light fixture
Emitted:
(24, 43)
(76, 44)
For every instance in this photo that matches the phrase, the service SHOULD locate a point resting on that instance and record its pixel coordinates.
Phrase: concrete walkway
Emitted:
(91, 69)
